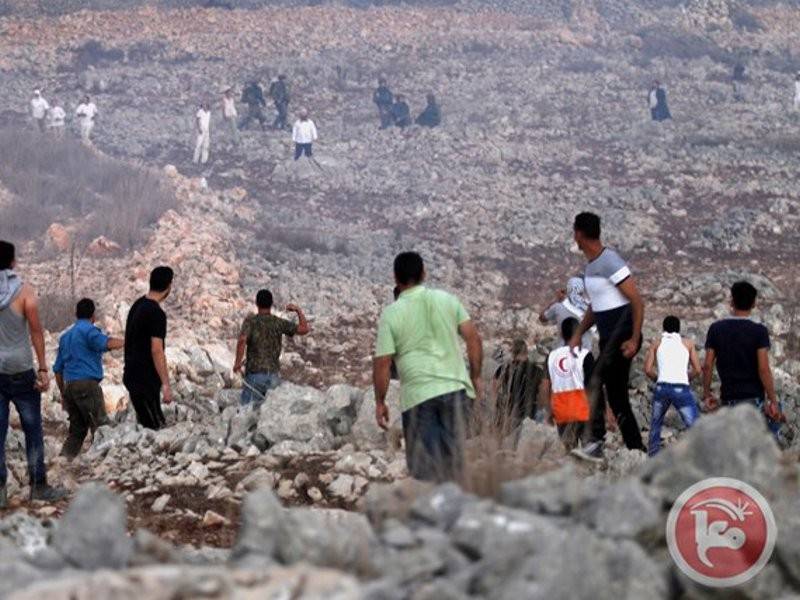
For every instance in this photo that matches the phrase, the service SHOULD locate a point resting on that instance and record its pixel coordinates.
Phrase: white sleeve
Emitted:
(620, 275)
(313, 131)
(294, 133)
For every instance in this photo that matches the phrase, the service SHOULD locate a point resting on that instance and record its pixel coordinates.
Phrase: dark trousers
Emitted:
(387, 119)
(146, 400)
(610, 383)
(300, 149)
(83, 401)
(254, 112)
(20, 390)
(435, 433)
(281, 121)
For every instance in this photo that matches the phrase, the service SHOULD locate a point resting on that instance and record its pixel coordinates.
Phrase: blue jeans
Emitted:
(261, 383)
(668, 394)
(20, 389)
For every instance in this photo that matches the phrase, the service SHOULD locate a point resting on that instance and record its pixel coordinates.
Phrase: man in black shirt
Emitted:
(145, 375)
(383, 99)
(740, 349)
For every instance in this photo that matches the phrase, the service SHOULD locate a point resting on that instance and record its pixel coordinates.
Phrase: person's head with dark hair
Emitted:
(409, 270)
(671, 324)
(519, 349)
(264, 300)
(586, 233)
(743, 296)
(7, 255)
(568, 328)
(161, 281)
(85, 309)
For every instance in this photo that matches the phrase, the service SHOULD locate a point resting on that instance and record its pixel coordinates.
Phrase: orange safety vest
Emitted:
(568, 400)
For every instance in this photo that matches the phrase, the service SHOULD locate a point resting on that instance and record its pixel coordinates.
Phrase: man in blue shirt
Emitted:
(79, 371)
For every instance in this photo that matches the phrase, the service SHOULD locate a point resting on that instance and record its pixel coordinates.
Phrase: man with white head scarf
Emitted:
(570, 303)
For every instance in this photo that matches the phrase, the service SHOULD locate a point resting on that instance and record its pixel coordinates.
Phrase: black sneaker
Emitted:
(3, 497)
(592, 452)
(47, 493)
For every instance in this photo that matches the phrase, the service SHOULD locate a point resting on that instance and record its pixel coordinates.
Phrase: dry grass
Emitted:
(63, 181)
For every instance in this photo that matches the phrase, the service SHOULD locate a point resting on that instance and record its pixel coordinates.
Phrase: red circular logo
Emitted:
(721, 532)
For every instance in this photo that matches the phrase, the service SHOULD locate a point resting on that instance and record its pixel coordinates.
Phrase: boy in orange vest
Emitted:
(569, 371)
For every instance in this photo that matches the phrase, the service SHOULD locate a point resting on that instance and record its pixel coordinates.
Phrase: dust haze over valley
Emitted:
(545, 114)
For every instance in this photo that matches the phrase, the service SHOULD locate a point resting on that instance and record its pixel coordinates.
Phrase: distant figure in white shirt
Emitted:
(39, 108)
(86, 113)
(230, 114)
(797, 91)
(304, 134)
(203, 127)
(58, 119)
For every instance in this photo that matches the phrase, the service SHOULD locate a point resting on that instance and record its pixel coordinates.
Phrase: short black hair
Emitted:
(743, 295)
(7, 254)
(264, 299)
(588, 224)
(161, 279)
(568, 328)
(84, 309)
(671, 324)
(408, 268)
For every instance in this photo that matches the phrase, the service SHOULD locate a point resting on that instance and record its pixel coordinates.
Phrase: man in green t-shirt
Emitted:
(262, 336)
(420, 332)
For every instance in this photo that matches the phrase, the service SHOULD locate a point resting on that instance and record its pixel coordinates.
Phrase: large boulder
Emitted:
(342, 403)
(326, 538)
(257, 539)
(93, 532)
(734, 442)
(294, 413)
(366, 433)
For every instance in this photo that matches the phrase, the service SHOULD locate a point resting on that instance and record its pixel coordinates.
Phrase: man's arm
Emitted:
(585, 325)
(241, 344)
(115, 343)
(303, 328)
(30, 309)
(650, 362)
(381, 375)
(61, 386)
(765, 374)
(630, 290)
(694, 360)
(472, 338)
(160, 361)
(708, 373)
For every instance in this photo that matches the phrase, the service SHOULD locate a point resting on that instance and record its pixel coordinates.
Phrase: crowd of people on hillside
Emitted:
(418, 343)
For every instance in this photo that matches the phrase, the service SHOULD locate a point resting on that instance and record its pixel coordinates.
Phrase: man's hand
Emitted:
(42, 381)
(382, 415)
(711, 403)
(237, 368)
(630, 348)
(773, 411)
(292, 308)
(561, 295)
(166, 393)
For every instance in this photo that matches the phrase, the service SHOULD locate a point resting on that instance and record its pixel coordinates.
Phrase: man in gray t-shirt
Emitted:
(618, 311)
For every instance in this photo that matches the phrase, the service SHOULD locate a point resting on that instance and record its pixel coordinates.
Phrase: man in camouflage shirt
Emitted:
(262, 336)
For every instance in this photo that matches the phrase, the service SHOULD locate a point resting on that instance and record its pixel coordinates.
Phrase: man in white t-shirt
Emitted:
(203, 128)
(86, 113)
(304, 134)
(58, 118)
(230, 114)
(39, 108)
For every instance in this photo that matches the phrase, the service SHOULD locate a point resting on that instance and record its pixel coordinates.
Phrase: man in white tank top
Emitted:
(671, 362)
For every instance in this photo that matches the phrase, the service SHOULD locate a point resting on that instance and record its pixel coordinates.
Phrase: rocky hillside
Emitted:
(544, 115)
